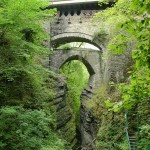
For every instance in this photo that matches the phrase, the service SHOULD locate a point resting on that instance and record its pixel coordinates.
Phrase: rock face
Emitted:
(84, 138)
(89, 124)
(65, 119)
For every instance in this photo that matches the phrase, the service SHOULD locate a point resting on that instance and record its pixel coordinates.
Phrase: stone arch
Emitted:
(68, 37)
(88, 66)
(83, 60)
(90, 58)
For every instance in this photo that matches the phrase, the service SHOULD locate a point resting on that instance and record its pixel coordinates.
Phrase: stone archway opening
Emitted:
(78, 77)
(68, 37)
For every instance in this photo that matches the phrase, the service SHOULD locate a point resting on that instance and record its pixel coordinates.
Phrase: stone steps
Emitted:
(133, 144)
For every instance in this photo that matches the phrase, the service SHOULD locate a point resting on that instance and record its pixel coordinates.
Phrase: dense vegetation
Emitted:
(127, 27)
(27, 120)
(27, 129)
(130, 24)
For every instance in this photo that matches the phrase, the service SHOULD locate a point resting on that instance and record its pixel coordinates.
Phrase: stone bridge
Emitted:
(89, 57)
(68, 37)
(73, 23)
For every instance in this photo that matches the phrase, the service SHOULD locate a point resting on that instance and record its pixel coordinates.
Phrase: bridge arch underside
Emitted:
(84, 61)
(64, 38)
(90, 58)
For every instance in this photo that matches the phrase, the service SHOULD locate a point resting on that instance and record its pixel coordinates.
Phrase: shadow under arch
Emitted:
(83, 60)
(68, 37)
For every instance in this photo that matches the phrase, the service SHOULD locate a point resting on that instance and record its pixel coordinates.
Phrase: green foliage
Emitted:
(23, 79)
(138, 90)
(144, 137)
(96, 104)
(130, 21)
(21, 37)
(139, 87)
(127, 26)
(111, 125)
(124, 145)
(77, 78)
(18, 16)
(65, 47)
(143, 124)
(27, 129)
(111, 130)
(71, 45)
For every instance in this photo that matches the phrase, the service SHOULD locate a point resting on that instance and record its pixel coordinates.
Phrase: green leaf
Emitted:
(108, 103)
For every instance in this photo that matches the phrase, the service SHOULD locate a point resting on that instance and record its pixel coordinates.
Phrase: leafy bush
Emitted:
(22, 129)
(124, 145)
(21, 38)
(127, 25)
(23, 79)
(144, 137)
(130, 21)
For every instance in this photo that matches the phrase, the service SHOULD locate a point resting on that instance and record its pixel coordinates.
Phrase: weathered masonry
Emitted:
(89, 57)
(73, 23)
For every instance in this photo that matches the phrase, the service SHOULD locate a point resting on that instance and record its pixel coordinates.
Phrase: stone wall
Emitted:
(89, 124)
(76, 21)
(76, 27)
(116, 67)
